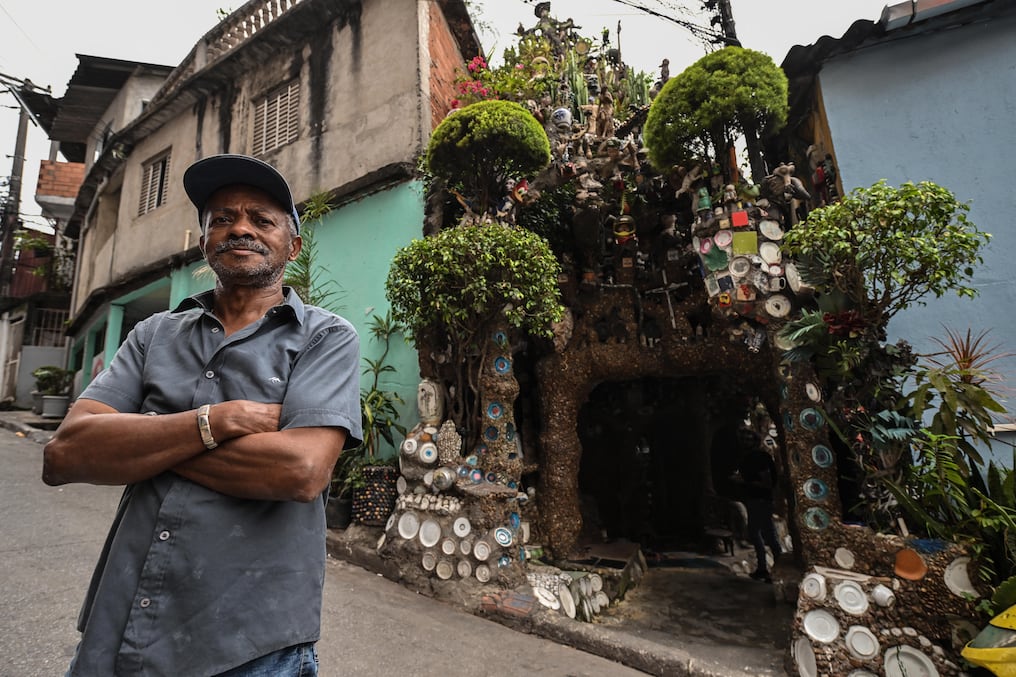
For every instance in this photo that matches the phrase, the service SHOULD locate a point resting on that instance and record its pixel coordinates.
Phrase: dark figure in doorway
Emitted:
(758, 476)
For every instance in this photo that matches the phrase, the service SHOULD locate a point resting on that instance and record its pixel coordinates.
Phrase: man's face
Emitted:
(247, 239)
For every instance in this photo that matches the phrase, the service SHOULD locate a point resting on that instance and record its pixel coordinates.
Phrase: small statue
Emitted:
(705, 203)
(605, 115)
(429, 402)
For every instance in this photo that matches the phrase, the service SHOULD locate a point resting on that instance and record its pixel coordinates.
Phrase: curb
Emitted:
(26, 431)
(354, 547)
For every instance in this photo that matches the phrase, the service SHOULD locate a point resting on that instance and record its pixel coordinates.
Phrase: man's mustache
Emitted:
(242, 244)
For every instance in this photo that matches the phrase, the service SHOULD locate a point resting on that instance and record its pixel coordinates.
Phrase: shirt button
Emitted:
(145, 603)
(215, 330)
(164, 536)
(209, 374)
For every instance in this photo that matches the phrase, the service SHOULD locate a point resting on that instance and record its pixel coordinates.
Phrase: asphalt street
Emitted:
(50, 538)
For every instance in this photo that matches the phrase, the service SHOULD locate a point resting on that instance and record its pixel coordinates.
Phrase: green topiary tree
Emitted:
(448, 289)
(477, 149)
(883, 249)
(731, 90)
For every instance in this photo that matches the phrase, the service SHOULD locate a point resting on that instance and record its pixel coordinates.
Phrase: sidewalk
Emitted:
(697, 619)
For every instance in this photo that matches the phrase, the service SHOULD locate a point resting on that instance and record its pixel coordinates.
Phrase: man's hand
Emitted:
(237, 418)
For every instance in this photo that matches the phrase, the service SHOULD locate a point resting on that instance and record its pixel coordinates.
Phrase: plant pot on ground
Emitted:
(52, 386)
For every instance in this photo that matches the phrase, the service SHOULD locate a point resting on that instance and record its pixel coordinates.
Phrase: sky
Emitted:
(39, 40)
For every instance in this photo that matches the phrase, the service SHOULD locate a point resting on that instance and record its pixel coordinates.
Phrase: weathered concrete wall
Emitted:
(360, 112)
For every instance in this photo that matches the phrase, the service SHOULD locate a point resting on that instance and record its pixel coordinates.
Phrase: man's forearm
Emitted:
(287, 465)
(98, 445)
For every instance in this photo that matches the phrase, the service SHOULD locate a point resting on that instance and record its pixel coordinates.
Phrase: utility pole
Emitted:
(11, 220)
(12, 207)
(725, 18)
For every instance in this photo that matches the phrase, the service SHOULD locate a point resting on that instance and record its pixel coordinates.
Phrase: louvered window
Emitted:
(276, 118)
(154, 183)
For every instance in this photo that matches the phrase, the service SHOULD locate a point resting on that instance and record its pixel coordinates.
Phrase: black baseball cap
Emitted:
(209, 174)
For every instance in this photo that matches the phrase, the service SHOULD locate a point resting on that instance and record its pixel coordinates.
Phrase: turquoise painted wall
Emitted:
(356, 243)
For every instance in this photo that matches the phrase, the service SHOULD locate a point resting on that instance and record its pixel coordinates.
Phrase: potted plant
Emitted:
(362, 476)
(53, 384)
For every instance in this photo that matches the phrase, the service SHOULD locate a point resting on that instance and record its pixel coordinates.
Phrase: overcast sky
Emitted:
(40, 38)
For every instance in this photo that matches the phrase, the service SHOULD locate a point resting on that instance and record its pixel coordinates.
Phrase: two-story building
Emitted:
(341, 96)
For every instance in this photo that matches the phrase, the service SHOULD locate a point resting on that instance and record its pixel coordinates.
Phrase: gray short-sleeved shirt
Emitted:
(190, 581)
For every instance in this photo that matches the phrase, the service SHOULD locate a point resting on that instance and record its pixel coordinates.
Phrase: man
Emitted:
(224, 419)
(758, 474)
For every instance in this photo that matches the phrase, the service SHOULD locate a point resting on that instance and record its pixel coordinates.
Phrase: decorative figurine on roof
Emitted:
(787, 195)
(556, 32)
(605, 116)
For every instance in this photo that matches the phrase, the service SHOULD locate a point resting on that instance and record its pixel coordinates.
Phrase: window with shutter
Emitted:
(276, 118)
(154, 183)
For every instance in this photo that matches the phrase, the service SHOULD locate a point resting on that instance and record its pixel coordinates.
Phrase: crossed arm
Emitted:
(99, 445)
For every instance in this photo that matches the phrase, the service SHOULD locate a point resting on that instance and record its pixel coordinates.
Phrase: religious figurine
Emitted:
(429, 402)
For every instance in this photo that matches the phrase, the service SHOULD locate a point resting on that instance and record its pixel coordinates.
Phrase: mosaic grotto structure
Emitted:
(675, 278)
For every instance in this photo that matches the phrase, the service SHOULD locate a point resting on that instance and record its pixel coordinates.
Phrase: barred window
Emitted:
(154, 183)
(276, 118)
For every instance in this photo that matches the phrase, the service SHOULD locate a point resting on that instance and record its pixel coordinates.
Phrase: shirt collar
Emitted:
(291, 303)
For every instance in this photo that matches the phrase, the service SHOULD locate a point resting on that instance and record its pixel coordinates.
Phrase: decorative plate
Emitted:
(814, 586)
(514, 520)
(429, 560)
(861, 642)
(813, 392)
(821, 626)
(427, 452)
(770, 229)
(494, 410)
(472, 460)
(906, 661)
(957, 578)
(444, 570)
(466, 546)
(461, 527)
(409, 524)
(815, 489)
(500, 338)
(401, 485)
(567, 602)
(788, 421)
(910, 565)
(463, 471)
(502, 365)
(476, 475)
(723, 238)
(778, 305)
(490, 434)
(740, 266)
(822, 456)
(705, 245)
(391, 522)
(811, 419)
(851, 598)
(449, 546)
(430, 533)
(844, 558)
(464, 568)
(804, 656)
(503, 536)
(547, 598)
(504, 560)
(816, 518)
(409, 446)
(770, 252)
(481, 550)
(482, 573)
(861, 673)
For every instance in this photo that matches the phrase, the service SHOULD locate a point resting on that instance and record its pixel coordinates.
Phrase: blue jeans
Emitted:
(296, 661)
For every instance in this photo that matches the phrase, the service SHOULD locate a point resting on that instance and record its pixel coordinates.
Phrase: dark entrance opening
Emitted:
(655, 452)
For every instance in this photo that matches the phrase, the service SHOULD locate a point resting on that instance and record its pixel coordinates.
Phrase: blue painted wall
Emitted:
(940, 107)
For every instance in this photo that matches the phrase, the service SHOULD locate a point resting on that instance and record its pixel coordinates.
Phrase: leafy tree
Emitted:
(727, 91)
(305, 274)
(881, 249)
(477, 149)
(448, 288)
